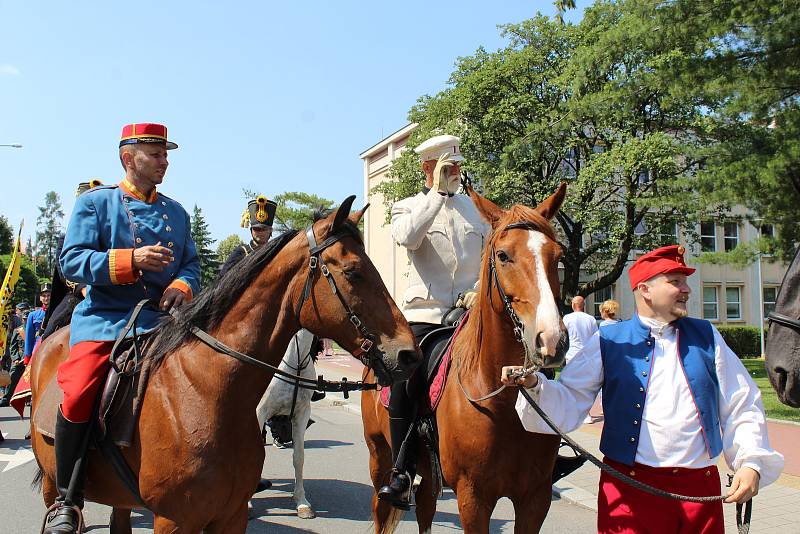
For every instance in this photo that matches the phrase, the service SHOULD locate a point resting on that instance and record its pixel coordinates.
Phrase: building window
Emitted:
(733, 303)
(770, 295)
(600, 296)
(767, 230)
(710, 305)
(668, 234)
(731, 235)
(708, 236)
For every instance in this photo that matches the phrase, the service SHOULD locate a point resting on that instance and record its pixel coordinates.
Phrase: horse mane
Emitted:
(518, 213)
(208, 309)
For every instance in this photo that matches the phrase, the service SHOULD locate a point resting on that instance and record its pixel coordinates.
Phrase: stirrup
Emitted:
(53, 511)
(400, 499)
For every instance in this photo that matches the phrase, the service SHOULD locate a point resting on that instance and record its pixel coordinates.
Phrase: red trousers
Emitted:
(81, 376)
(623, 509)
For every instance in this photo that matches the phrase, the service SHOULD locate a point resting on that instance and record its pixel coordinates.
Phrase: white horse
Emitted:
(282, 398)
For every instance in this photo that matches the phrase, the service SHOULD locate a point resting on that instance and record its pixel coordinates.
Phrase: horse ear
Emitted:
(552, 204)
(342, 212)
(490, 211)
(356, 217)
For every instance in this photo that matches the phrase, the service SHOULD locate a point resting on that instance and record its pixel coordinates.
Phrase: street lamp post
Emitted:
(759, 222)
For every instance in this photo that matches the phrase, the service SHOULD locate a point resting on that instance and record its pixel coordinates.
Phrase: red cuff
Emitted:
(120, 266)
(183, 287)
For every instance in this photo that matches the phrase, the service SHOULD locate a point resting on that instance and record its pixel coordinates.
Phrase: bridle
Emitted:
(784, 320)
(494, 278)
(367, 351)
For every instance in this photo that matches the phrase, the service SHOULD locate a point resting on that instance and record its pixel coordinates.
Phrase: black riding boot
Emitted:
(69, 447)
(402, 412)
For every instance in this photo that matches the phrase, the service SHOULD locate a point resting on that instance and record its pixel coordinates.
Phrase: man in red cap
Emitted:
(675, 397)
(126, 242)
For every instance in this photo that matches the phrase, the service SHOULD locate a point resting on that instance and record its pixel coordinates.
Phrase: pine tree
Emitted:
(48, 231)
(209, 266)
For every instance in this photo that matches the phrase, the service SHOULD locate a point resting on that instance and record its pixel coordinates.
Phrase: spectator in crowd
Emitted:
(580, 325)
(16, 349)
(609, 312)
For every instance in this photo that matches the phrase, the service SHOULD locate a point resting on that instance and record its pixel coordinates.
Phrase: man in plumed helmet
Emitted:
(259, 216)
(443, 235)
(127, 242)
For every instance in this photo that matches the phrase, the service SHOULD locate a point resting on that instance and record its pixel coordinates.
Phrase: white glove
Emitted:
(469, 298)
(442, 181)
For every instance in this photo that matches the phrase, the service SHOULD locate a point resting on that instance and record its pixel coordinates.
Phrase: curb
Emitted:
(566, 490)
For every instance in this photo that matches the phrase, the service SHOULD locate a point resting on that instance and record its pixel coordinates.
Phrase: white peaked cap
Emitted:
(441, 144)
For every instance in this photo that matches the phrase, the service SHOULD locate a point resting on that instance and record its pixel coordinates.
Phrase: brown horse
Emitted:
(198, 451)
(485, 452)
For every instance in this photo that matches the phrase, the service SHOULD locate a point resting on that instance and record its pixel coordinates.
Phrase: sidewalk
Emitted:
(776, 509)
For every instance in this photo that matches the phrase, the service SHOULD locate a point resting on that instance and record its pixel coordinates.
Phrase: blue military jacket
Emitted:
(626, 348)
(108, 222)
(35, 319)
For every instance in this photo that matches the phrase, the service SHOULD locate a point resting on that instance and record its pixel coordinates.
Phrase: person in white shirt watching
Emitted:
(581, 327)
(675, 397)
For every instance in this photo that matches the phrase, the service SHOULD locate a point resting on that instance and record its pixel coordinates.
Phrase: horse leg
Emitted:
(424, 497)
(49, 490)
(531, 509)
(120, 521)
(234, 524)
(475, 511)
(299, 423)
(384, 515)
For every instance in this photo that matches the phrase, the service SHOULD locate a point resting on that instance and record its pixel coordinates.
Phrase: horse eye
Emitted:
(502, 256)
(352, 275)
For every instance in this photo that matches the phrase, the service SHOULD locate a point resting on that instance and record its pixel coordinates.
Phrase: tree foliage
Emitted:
(563, 102)
(226, 246)
(6, 235)
(49, 229)
(209, 265)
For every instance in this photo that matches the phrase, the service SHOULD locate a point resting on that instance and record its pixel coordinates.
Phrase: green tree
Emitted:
(295, 209)
(48, 231)
(557, 104)
(6, 236)
(209, 265)
(226, 246)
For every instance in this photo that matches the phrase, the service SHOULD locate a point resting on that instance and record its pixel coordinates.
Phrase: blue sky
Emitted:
(259, 95)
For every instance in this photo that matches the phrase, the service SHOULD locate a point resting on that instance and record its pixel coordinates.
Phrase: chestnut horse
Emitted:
(783, 342)
(485, 452)
(198, 451)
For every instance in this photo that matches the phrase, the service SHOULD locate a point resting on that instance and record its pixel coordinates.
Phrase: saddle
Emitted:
(436, 348)
(120, 400)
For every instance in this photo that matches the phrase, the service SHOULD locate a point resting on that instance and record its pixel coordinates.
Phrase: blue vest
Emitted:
(627, 352)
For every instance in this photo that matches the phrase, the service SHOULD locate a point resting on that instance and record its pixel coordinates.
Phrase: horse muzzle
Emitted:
(786, 384)
(557, 359)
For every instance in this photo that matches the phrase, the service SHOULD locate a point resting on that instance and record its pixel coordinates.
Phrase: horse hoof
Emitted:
(305, 512)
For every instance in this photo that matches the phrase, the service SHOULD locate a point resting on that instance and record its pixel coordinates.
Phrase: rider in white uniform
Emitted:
(443, 235)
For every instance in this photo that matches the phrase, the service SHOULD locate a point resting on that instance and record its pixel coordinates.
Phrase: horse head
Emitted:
(783, 339)
(352, 305)
(519, 274)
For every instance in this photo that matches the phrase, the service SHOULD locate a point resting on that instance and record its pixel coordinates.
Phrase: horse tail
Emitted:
(36, 483)
(392, 521)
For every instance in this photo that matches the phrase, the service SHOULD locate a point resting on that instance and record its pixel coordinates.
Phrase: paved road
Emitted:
(337, 486)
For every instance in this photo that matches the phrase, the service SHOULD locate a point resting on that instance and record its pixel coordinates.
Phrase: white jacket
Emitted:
(443, 237)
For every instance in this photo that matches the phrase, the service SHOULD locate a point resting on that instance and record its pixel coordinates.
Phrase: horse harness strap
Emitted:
(365, 351)
(743, 523)
(784, 320)
(342, 386)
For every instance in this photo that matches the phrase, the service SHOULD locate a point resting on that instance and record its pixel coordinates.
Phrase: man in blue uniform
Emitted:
(127, 243)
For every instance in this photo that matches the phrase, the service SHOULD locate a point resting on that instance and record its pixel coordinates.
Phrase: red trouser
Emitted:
(81, 376)
(623, 509)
